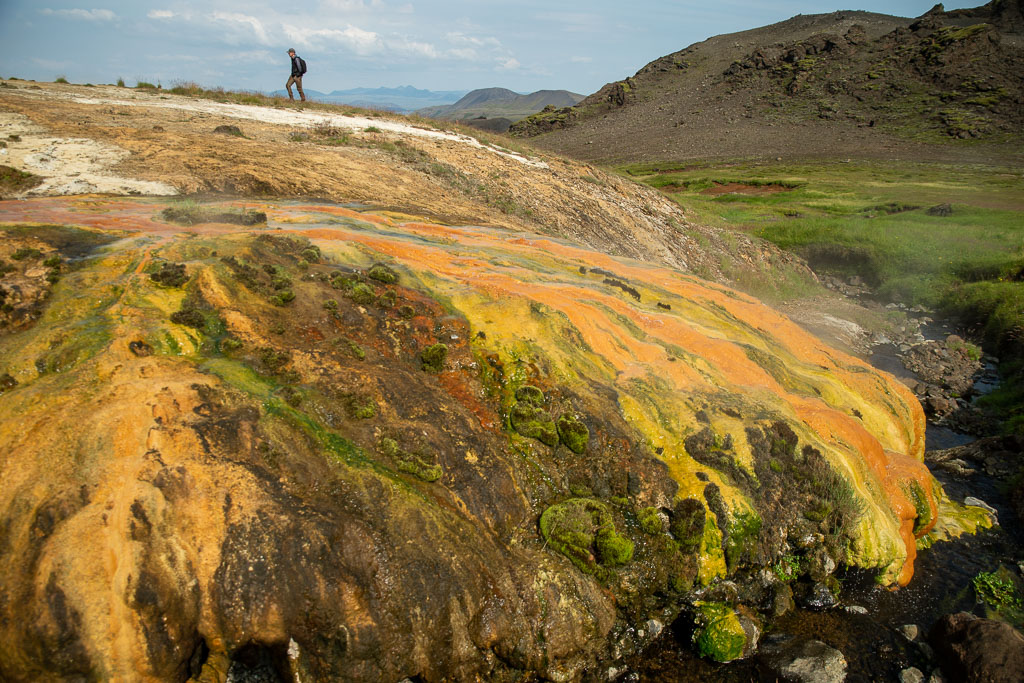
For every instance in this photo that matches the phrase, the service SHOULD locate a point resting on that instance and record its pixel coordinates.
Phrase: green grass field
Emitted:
(871, 219)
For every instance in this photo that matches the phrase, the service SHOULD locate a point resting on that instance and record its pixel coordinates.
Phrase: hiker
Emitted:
(298, 69)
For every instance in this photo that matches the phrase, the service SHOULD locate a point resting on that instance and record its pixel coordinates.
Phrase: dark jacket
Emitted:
(296, 67)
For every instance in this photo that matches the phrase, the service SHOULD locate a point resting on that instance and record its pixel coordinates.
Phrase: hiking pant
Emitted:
(297, 80)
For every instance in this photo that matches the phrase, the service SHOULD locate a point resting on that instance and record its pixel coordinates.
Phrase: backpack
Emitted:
(302, 65)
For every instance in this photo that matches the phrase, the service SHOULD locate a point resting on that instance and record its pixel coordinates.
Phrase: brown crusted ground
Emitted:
(455, 183)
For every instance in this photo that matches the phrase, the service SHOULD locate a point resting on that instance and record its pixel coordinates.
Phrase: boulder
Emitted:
(804, 661)
(978, 650)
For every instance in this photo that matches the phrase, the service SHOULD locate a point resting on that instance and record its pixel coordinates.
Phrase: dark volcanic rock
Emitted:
(803, 661)
(978, 650)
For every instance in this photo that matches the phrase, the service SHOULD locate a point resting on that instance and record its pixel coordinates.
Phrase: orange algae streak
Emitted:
(891, 469)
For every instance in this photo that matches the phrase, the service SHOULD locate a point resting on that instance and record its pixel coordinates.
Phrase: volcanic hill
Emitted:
(830, 85)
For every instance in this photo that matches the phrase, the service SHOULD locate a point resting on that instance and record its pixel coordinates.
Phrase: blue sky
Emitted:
(523, 45)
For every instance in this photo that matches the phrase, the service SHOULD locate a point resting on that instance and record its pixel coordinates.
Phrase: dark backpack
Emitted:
(302, 65)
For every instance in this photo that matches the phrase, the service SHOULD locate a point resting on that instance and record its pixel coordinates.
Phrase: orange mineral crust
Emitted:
(683, 355)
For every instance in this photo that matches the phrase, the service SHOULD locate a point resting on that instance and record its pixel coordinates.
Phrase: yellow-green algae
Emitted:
(715, 353)
(719, 634)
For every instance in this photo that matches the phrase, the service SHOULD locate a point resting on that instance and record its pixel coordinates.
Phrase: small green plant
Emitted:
(144, 85)
(372, 129)
(355, 349)
(995, 590)
(60, 79)
(120, 82)
(787, 568)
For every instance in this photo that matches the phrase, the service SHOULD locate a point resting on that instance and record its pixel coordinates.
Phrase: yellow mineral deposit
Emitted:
(671, 345)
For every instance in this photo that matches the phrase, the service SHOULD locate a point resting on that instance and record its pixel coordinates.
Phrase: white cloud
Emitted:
(581, 60)
(508, 63)
(243, 20)
(160, 14)
(414, 48)
(345, 5)
(459, 38)
(87, 14)
(356, 39)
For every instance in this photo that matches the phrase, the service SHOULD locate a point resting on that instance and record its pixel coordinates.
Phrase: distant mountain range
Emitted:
(403, 99)
(497, 106)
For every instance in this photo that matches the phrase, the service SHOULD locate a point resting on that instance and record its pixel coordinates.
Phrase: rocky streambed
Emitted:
(940, 627)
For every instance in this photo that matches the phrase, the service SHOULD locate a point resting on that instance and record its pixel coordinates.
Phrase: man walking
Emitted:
(298, 69)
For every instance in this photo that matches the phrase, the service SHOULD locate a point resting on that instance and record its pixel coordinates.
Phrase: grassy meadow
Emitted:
(871, 219)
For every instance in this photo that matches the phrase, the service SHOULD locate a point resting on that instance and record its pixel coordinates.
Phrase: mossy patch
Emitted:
(417, 464)
(687, 524)
(432, 358)
(362, 293)
(573, 433)
(170, 275)
(189, 213)
(650, 521)
(533, 422)
(718, 634)
(583, 530)
(530, 394)
(382, 273)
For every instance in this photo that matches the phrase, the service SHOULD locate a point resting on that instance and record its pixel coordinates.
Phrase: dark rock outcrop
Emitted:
(977, 650)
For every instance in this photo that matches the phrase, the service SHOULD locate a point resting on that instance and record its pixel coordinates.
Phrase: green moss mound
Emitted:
(573, 433)
(719, 634)
(383, 273)
(650, 521)
(530, 394)
(531, 421)
(432, 357)
(583, 530)
(170, 275)
(362, 293)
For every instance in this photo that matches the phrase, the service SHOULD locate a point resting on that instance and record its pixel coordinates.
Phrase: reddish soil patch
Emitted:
(742, 188)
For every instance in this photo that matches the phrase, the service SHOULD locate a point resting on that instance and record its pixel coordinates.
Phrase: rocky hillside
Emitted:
(846, 83)
(489, 427)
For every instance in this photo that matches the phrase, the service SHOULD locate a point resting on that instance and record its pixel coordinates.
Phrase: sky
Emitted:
(522, 45)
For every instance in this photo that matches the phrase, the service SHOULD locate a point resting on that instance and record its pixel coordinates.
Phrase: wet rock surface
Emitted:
(804, 661)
